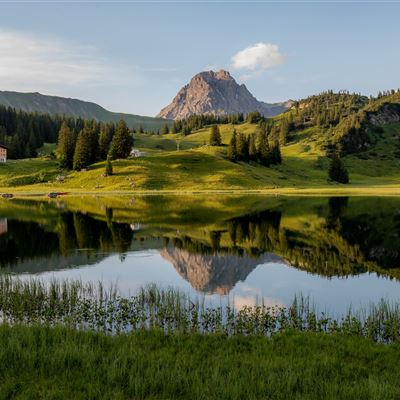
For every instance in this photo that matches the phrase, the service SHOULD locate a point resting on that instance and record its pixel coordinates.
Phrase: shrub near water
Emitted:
(88, 307)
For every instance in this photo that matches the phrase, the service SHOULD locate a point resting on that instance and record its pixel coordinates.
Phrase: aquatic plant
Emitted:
(93, 307)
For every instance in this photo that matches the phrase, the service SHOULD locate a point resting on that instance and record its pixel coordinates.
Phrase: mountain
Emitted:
(217, 93)
(36, 102)
(214, 273)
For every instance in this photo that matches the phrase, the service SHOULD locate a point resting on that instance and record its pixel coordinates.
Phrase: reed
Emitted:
(93, 307)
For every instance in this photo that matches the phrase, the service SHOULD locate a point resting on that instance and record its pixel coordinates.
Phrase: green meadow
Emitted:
(60, 363)
(198, 167)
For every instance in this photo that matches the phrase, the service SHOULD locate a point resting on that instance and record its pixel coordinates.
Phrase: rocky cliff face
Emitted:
(216, 273)
(216, 93)
(387, 114)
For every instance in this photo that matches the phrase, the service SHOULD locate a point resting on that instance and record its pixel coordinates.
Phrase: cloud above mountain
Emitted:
(257, 58)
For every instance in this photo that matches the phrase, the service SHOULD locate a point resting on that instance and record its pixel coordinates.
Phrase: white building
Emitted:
(3, 153)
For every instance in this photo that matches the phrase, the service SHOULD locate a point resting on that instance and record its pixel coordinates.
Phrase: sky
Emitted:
(134, 56)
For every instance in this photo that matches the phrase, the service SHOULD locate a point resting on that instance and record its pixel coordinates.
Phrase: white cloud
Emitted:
(258, 57)
(28, 62)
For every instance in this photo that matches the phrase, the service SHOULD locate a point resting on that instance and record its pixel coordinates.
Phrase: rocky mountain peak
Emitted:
(211, 92)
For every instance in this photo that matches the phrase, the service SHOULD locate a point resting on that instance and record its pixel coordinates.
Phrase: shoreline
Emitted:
(372, 191)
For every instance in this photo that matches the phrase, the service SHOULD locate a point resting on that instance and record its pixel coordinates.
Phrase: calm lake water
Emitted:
(340, 252)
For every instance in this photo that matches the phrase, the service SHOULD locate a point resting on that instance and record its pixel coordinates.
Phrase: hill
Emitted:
(216, 93)
(175, 162)
(55, 105)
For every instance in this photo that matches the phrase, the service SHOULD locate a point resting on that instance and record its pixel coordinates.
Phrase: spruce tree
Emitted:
(122, 142)
(337, 170)
(105, 139)
(263, 149)
(66, 146)
(82, 154)
(253, 154)
(109, 169)
(215, 137)
(242, 147)
(232, 148)
(283, 132)
(276, 157)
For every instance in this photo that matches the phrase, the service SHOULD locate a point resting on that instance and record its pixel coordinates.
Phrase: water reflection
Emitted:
(211, 247)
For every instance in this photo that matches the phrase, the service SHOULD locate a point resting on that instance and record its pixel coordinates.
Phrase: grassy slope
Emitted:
(58, 363)
(198, 167)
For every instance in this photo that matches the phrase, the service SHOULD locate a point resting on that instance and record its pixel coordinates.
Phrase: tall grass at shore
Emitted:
(92, 307)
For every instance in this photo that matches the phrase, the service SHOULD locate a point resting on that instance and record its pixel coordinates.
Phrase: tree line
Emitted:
(23, 132)
(255, 147)
(94, 142)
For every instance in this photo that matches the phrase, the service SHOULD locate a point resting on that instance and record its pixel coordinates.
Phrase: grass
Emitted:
(198, 167)
(60, 363)
(91, 307)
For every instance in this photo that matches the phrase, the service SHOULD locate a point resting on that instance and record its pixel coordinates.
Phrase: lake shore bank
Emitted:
(334, 190)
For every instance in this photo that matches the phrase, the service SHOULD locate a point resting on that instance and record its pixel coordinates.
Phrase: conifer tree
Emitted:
(105, 139)
(82, 154)
(283, 132)
(242, 147)
(232, 148)
(253, 154)
(215, 137)
(93, 131)
(263, 149)
(109, 169)
(337, 170)
(66, 146)
(276, 157)
(122, 142)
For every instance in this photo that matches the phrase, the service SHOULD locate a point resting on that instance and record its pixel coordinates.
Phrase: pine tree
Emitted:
(66, 146)
(283, 132)
(232, 148)
(93, 131)
(263, 149)
(215, 137)
(242, 147)
(122, 142)
(253, 154)
(109, 169)
(338, 171)
(105, 139)
(276, 157)
(82, 154)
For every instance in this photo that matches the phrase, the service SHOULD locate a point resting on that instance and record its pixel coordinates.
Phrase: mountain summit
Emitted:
(217, 93)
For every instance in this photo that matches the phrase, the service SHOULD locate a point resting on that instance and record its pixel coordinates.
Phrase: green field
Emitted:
(200, 167)
(59, 363)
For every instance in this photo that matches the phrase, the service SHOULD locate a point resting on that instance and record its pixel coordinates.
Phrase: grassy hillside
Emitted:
(200, 167)
(54, 105)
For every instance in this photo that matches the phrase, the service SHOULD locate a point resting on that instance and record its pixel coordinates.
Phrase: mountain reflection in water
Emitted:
(336, 237)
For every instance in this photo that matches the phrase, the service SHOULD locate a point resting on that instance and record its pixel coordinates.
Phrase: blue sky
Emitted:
(134, 57)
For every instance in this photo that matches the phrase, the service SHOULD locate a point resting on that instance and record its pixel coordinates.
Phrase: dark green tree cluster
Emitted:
(254, 117)
(255, 147)
(94, 142)
(337, 170)
(215, 136)
(195, 122)
(23, 133)
(325, 110)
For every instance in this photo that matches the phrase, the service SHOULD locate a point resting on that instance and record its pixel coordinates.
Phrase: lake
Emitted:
(339, 251)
